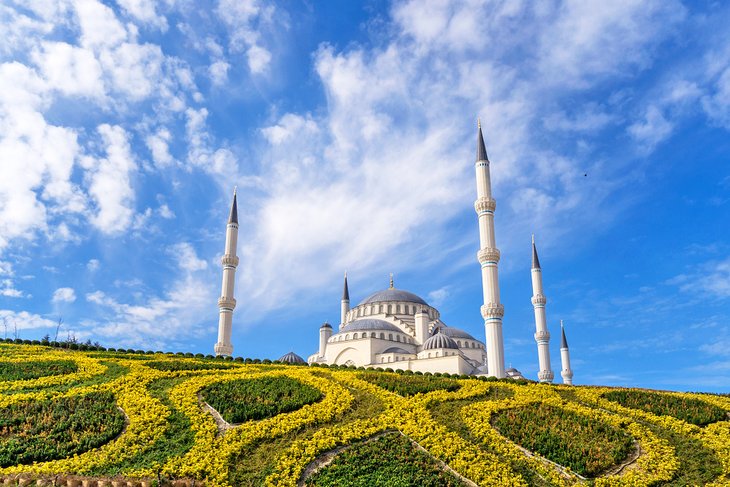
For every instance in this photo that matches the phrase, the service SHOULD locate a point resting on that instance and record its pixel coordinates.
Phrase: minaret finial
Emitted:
(481, 149)
(391, 281)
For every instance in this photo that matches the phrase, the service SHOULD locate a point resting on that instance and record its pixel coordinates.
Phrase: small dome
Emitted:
(513, 373)
(439, 340)
(396, 350)
(367, 324)
(393, 295)
(455, 333)
(292, 358)
(326, 325)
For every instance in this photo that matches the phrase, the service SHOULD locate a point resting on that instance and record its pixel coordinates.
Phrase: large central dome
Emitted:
(392, 294)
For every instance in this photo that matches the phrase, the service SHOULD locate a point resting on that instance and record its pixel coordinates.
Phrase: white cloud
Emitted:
(144, 11)
(710, 278)
(244, 20)
(219, 72)
(653, 129)
(438, 296)
(289, 126)
(158, 144)
(165, 212)
(110, 182)
(10, 321)
(100, 28)
(71, 70)
(7, 289)
(93, 265)
(64, 295)
(187, 258)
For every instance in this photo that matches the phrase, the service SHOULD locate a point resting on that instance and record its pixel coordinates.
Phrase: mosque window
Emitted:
(347, 337)
(458, 342)
(390, 309)
(382, 336)
(397, 338)
(372, 334)
(390, 336)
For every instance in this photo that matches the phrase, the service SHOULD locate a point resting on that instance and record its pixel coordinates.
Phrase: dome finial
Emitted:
(391, 281)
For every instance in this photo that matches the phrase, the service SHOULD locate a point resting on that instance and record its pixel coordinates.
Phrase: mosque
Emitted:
(397, 329)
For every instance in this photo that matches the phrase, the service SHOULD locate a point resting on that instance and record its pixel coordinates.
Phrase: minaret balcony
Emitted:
(483, 205)
(539, 299)
(546, 375)
(224, 302)
(488, 255)
(542, 336)
(229, 260)
(492, 310)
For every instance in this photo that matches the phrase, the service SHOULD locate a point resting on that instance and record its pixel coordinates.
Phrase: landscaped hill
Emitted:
(134, 418)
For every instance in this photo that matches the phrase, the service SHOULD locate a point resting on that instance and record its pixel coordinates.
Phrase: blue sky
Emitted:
(349, 129)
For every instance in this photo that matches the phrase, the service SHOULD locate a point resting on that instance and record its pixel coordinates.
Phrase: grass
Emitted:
(388, 461)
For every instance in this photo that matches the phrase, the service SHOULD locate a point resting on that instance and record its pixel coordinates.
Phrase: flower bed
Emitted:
(32, 370)
(179, 365)
(409, 385)
(388, 461)
(36, 431)
(246, 399)
(689, 409)
(586, 446)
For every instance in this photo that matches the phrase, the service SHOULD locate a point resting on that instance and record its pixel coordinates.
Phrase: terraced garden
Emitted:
(134, 418)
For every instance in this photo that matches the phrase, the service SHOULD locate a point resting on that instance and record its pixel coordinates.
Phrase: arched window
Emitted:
(390, 336)
(347, 337)
(390, 308)
(397, 338)
(372, 334)
(458, 342)
(429, 354)
(382, 336)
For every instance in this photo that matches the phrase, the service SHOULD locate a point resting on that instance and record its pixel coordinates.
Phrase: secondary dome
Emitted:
(292, 358)
(393, 294)
(367, 324)
(455, 333)
(439, 340)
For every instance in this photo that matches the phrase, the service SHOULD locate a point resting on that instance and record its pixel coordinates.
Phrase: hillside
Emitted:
(135, 418)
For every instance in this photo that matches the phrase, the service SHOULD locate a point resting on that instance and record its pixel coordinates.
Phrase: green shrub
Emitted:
(584, 444)
(389, 461)
(37, 431)
(246, 399)
(33, 370)
(687, 409)
(175, 365)
(408, 385)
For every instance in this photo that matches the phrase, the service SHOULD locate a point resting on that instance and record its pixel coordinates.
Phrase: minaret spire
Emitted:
(488, 257)
(542, 336)
(567, 372)
(227, 303)
(481, 148)
(345, 303)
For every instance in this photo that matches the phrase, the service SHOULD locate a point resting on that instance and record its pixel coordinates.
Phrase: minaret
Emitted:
(542, 336)
(227, 302)
(488, 256)
(345, 304)
(567, 373)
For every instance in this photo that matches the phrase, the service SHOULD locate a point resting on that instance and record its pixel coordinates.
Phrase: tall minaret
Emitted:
(488, 256)
(542, 336)
(227, 302)
(567, 373)
(345, 303)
